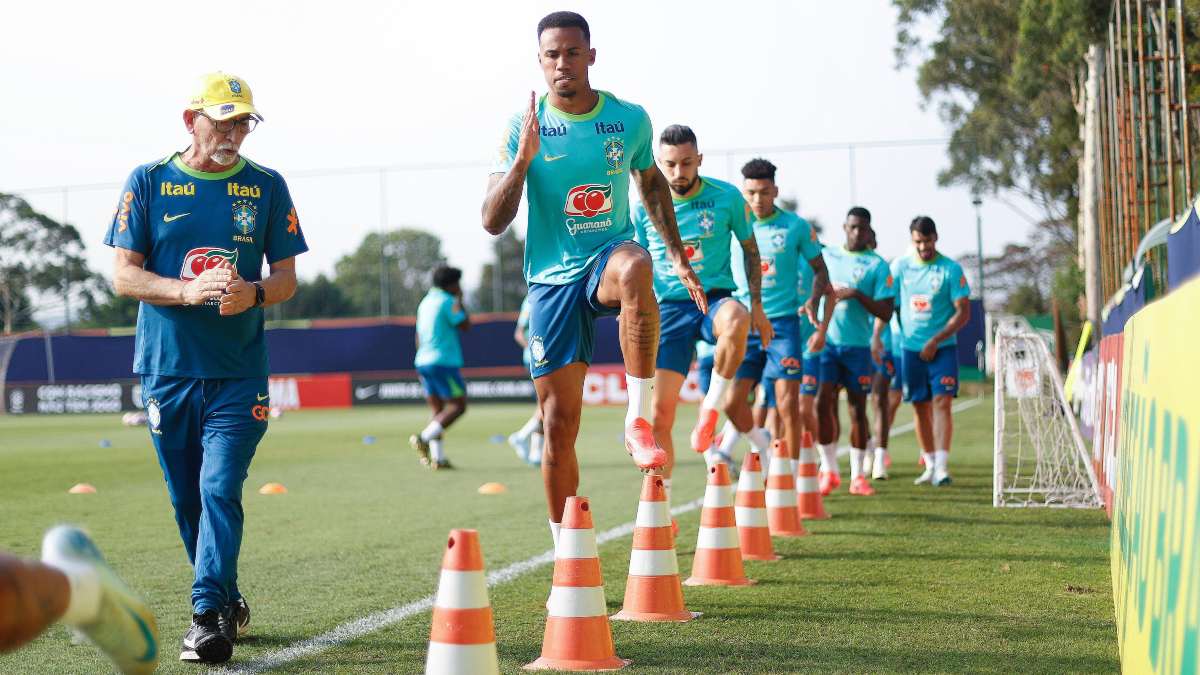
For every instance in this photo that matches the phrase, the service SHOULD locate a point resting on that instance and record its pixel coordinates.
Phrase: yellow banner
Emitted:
(1156, 510)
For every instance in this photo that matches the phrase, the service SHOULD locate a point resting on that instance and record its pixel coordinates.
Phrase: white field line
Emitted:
(379, 620)
(909, 426)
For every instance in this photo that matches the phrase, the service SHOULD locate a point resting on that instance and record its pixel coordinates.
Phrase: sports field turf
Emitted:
(914, 579)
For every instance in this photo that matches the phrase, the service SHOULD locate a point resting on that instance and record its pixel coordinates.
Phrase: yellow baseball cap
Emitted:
(221, 96)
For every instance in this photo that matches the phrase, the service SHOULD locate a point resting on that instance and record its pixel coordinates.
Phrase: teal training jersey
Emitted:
(437, 330)
(926, 295)
(785, 242)
(184, 222)
(710, 221)
(578, 185)
(852, 325)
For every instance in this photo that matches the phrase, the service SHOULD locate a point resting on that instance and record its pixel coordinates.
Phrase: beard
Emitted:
(225, 155)
(685, 189)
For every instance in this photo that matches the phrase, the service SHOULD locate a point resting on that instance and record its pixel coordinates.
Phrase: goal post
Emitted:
(1040, 458)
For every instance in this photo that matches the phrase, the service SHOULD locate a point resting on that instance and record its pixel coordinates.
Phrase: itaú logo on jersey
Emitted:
(205, 258)
(589, 200)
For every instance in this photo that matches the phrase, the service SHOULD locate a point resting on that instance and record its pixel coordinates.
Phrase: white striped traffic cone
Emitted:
(750, 507)
(462, 639)
(652, 592)
(783, 515)
(718, 559)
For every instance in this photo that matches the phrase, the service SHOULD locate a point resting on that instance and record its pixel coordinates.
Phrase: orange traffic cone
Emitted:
(750, 507)
(577, 636)
(462, 639)
(808, 489)
(783, 517)
(718, 558)
(653, 592)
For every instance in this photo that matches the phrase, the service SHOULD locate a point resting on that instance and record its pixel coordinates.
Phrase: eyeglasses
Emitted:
(244, 125)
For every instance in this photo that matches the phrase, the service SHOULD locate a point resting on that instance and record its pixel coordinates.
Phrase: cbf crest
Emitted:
(245, 217)
(614, 154)
(708, 221)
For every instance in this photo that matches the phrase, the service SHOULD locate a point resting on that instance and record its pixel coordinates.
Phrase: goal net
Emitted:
(1040, 458)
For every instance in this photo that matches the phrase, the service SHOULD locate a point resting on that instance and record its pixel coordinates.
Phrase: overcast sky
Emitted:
(367, 84)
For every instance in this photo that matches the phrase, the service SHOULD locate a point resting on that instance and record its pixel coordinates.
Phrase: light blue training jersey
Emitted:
(437, 330)
(710, 222)
(578, 185)
(785, 242)
(852, 325)
(926, 295)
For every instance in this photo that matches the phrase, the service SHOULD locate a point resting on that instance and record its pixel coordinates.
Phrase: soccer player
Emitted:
(575, 150)
(529, 439)
(885, 391)
(440, 317)
(862, 288)
(190, 234)
(711, 214)
(786, 242)
(933, 301)
(75, 585)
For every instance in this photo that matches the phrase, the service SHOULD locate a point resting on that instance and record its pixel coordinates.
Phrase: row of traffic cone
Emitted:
(578, 635)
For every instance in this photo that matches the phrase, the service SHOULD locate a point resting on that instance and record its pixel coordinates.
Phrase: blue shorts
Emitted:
(681, 324)
(889, 370)
(704, 368)
(852, 367)
(443, 382)
(765, 396)
(205, 433)
(562, 319)
(781, 360)
(923, 381)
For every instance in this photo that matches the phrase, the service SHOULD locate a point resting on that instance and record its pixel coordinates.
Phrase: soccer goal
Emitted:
(1040, 458)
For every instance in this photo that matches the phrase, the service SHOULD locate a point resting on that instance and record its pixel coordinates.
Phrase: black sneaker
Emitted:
(442, 463)
(235, 620)
(204, 641)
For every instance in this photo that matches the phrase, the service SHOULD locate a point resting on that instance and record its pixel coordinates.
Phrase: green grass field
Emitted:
(914, 579)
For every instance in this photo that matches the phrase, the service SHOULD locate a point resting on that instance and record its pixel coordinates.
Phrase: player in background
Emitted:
(786, 242)
(885, 390)
(190, 235)
(933, 299)
(711, 215)
(529, 439)
(574, 151)
(862, 289)
(441, 315)
(73, 584)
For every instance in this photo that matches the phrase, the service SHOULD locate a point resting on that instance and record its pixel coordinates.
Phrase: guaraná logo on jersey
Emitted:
(919, 303)
(589, 200)
(205, 258)
(693, 251)
(614, 154)
(245, 217)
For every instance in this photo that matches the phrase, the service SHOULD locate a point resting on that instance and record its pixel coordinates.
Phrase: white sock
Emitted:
(940, 459)
(729, 438)
(829, 459)
(536, 442)
(530, 427)
(84, 602)
(872, 442)
(641, 391)
(929, 460)
(432, 431)
(880, 453)
(716, 392)
(760, 439)
(856, 462)
(710, 457)
(667, 488)
(554, 528)
(435, 450)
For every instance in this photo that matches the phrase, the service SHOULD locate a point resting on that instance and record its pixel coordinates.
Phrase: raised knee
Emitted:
(636, 270)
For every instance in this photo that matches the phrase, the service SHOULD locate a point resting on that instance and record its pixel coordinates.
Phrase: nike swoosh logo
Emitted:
(548, 158)
(262, 397)
(169, 218)
(151, 653)
(366, 392)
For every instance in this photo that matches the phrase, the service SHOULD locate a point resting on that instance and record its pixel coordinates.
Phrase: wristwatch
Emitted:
(260, 295)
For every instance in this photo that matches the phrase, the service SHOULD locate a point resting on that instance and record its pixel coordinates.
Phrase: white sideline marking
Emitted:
(380, 620)
(909, 426)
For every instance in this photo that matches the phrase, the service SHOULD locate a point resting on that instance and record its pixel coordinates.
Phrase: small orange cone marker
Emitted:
(808, 488)
(718, 559)
(82, 489)
(750, 509)
(578, 636)
(462, 639)
(492, 489)
(652, 592)
(783, 516)
(272, 489)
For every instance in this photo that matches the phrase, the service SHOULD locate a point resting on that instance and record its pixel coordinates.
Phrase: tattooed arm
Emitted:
(759, 323)
(504, 189)
(656, 198)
